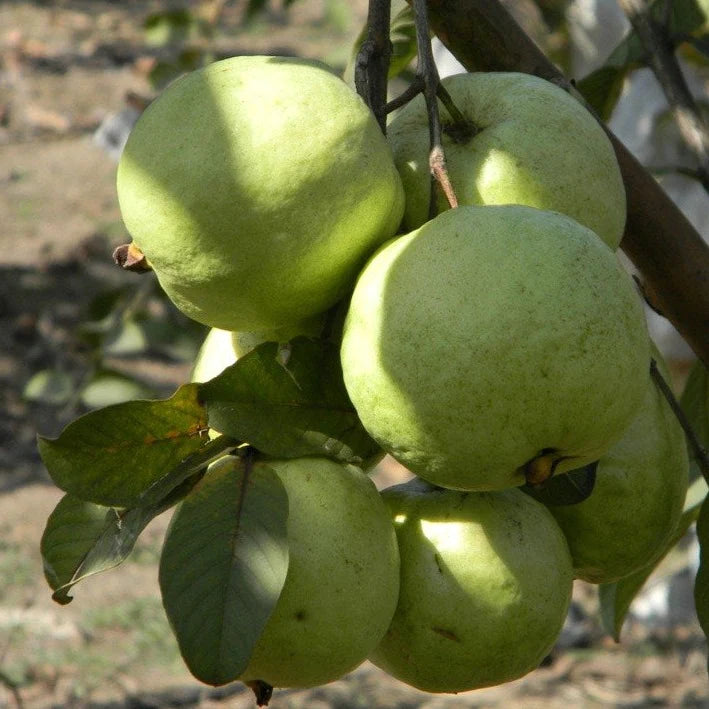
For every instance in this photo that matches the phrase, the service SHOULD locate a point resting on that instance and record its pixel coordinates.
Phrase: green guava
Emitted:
(485, 587)
(637, 499)
(222, 348)
(495, 345)
(256, 188)
(528, 142)
(342, 584)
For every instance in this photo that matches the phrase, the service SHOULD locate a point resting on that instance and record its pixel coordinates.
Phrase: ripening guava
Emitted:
(256, 187)
(530, 143)
(495, 345)
(342, 583)
(637, 499)
(485, 586)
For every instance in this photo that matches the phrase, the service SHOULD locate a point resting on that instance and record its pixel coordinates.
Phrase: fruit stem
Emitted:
(541, 468)
(262, 691)
(428, 73)
(698, 450)
(130, 258)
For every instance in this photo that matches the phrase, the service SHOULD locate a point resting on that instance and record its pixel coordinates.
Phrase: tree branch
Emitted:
(669, 253)
(372, 63)
(661, 58)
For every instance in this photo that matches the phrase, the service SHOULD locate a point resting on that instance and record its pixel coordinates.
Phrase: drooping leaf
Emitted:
(616, 598)
(565, 489)
(701, 583)
(289, 401)
(223, 566)
(113, 455)
(602, 87)
(50, 386)
(82, 539)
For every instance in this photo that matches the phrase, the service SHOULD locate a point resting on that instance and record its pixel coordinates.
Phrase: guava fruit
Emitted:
(485, 587)
(256, 188)
(527, 142)
(637, 499)
(342, 584)
(221, 348)
(495, 345)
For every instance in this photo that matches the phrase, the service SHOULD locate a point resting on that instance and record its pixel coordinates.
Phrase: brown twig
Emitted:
(662, 243)
(661, 58)
(372, 63)
(700, 454)
(427, 72)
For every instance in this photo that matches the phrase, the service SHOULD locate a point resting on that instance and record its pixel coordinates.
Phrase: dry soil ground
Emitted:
(63, 67)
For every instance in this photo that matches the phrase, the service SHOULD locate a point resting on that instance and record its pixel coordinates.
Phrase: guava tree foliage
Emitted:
(224, 569)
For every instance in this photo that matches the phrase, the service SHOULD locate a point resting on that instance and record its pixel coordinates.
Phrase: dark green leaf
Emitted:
(602, 89)
(50, 386)
(565, 489)
(701, 584)
(113, 455)
(289, 401)
(82, 539)
(254, 7)
(615, 598)
(223, 566)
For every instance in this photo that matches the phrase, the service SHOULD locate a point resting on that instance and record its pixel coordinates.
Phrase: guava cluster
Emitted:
(492, 346)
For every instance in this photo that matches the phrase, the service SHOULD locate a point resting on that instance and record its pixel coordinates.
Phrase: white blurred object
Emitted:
(668, 599)
(114, 130)
(643, 123)
(447, 64)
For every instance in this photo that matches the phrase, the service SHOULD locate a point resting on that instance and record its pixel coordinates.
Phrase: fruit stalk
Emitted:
(427, 71)
(659, 239)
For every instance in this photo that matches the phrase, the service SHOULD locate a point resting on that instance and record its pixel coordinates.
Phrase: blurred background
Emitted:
(77, 333)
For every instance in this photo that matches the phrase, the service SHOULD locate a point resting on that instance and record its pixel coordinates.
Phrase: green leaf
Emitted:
(82, 539)
(565, 489)
(50, 386)
(110, 387)
(127, 338)
(403, 40)
(616, 598)
(113, 455)
(602, 87)
(701, 583)
(223, 566)
(289, 401)
(167, 27)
